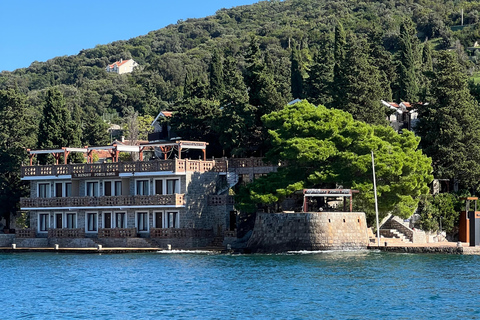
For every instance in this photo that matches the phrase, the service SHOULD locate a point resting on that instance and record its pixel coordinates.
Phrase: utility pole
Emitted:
(376, 202)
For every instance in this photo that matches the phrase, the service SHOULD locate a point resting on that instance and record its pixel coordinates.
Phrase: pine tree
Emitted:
(17, 132)
(361, 91)
(450, 125)
(320, 77)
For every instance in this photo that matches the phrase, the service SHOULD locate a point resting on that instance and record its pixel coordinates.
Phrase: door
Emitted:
(158, 220)
(59, 220)
(108, 220)
(58, 190)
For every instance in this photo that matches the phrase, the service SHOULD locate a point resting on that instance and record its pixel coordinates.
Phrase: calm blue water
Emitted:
(333, 285)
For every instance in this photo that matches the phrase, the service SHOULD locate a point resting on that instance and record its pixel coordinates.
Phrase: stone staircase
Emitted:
(395, 234)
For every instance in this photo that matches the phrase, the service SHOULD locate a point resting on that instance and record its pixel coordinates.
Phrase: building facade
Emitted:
(122, 66)
(156, 199)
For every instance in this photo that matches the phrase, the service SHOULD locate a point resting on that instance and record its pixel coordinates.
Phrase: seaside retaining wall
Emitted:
(281, 232)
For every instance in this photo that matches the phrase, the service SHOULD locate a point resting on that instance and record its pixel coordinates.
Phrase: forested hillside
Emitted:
(222, 73)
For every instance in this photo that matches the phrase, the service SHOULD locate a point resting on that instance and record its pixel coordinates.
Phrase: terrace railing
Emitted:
(117, 233)
(88, 170)
(107, 201)
(170, 233)
(66, 233)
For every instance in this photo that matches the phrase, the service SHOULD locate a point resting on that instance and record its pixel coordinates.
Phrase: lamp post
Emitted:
(376, 203)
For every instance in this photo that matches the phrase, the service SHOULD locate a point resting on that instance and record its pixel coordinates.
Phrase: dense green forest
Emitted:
(221, 74)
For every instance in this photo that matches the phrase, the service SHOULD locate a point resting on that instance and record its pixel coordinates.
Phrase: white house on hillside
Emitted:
(122, 66)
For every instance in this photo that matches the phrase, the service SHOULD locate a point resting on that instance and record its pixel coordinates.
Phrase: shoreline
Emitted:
(435, 248)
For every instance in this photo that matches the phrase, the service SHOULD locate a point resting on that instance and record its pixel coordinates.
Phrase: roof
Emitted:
(119, 63)
(163, 114)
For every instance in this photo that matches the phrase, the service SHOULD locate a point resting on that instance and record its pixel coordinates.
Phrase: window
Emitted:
(158, 186)
(142, 221)
(92, 222)
(172, 186)
(171, 220)
(63, 189)
(58, 189)
(142, 188)
(71, 222)
(43, 190)
(112, 188)
(92, 189)
(43, 222)
(68, 189)
(120, 221)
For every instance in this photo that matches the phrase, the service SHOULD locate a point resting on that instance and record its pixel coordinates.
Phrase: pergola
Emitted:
(181, 145)
(328, 193)
(114, 150)
(57, 153)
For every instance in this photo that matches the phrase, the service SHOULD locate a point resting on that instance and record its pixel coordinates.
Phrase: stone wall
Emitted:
(281, 232)
(6, 240)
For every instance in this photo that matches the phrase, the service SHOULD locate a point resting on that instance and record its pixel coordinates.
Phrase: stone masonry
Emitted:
(281, 232)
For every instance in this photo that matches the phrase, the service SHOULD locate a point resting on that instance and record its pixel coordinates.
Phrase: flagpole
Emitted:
(376, 202)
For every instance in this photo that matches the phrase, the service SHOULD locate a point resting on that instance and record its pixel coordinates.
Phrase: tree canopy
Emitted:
(324, 147)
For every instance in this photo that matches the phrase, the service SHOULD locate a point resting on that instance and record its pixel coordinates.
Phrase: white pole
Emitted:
(376, 202)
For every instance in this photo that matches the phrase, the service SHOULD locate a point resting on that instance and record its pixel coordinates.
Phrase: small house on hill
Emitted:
(161, 127)
(122, 66)
(404, 116)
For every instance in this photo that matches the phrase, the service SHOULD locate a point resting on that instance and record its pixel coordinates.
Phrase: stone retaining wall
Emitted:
(281, 232)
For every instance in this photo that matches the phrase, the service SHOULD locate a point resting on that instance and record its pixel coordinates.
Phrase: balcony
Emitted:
(110, 201)
(90, 170)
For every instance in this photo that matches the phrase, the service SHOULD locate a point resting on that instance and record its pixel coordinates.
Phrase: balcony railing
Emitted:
(107, 201)
(117, 232)
(89, 170)
(25, 233)
(66, 233)
(170, 233)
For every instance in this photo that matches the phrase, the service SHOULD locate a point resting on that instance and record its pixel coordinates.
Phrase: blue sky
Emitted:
(38, 30)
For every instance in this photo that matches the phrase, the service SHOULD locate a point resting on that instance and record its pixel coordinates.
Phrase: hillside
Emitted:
(167, 54)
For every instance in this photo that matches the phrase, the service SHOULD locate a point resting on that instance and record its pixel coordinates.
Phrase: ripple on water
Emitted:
(300, 285)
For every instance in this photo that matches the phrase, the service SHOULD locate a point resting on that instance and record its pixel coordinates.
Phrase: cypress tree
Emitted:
(216, 76)
(450, 125)
(296, 73)
(408, 84)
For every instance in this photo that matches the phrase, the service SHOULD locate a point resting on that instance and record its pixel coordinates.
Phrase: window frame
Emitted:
(147, 214)
(47, 222)
(86, 222)
(97, 188)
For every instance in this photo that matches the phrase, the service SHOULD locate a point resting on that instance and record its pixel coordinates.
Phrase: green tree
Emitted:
(320, 77)
(17, 132)
(442, 208)
(57, 129)
(95, 130)
(324, 147)
(236, 126)
(407, 62)
(339, 67)
(361, 89)
(217, 87)
(450, 125)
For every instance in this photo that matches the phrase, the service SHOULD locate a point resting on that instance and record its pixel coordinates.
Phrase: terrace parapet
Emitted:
(89, 170)
(105, 201)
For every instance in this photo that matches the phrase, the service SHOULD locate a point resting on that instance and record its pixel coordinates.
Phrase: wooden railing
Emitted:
(220, 200)
(66, 233)
(25, 233)
(117, 233)
(114, 169)
(107, 201)
(169, 233)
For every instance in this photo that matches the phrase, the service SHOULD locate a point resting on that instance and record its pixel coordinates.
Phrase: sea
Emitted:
(203, 285)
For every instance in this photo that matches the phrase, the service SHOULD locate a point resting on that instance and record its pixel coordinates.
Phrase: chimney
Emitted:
(122, 139)
(121, 60)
